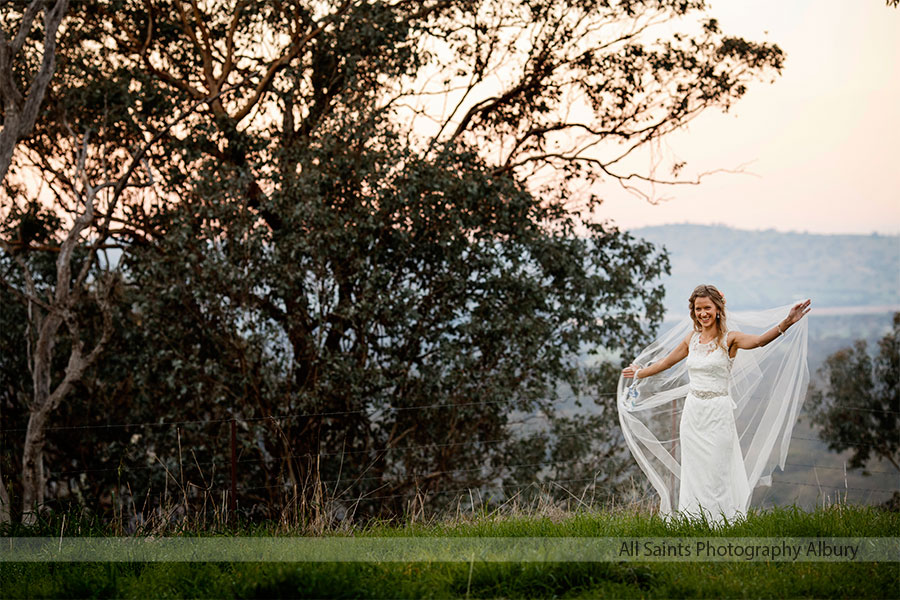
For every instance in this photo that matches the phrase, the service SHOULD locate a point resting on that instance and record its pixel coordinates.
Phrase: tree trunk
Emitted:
(5, 515)
(4, 502)
(33, 449)
(46, 399)
(33, 467)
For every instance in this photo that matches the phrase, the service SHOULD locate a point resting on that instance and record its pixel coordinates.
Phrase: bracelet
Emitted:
(778, 327)
(636, 373)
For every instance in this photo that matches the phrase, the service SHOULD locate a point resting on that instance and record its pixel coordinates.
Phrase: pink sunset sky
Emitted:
(819, 145)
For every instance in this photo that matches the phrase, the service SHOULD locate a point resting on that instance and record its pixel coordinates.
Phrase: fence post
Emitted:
(232, 498)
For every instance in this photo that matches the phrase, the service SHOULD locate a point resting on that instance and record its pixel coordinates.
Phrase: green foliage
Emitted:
(382, 289)
(858, 409)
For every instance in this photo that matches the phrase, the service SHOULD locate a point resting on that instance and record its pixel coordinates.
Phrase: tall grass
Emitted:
(542, 517)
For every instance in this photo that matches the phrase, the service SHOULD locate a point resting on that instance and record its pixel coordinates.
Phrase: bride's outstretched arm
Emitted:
(676, 355)
(746, 341)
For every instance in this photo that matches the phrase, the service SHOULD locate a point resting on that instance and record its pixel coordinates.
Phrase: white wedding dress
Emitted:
(713, 480)
(710, 429)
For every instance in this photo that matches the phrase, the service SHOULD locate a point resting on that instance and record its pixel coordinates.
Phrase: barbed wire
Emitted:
(874, 472)
(287, 487)
(302, 415)
(811, 439)
(838, 487)
(434, 492)
(288, 416)
(867, 409)
(469, 470)
(224, 463)
(409, 447)
(314, 455)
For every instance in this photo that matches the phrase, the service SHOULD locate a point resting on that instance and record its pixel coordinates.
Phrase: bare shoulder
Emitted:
(687, 339)
(738, 339)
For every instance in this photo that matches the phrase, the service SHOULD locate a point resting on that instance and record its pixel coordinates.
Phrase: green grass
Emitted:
(445, 580)
(837, 521)
(511, 580)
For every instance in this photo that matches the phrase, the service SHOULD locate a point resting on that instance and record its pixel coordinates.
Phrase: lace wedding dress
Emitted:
(710, 429)
(713, 479)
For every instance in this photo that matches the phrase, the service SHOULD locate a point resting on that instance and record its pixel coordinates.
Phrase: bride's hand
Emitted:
(799, 311)
(629, 371)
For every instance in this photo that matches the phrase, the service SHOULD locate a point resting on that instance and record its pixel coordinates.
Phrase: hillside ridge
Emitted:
(764, 268)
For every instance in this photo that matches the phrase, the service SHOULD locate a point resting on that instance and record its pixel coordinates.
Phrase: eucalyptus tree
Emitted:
(71, 168)
(858, 407)
(19, 104)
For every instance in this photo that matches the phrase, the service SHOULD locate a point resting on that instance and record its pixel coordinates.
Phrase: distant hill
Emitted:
(763, 269)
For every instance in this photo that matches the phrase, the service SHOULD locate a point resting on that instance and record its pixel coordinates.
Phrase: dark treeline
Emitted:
(271, 213)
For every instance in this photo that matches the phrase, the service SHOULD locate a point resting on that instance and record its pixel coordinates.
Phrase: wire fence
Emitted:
(287, 486)
(288, 416)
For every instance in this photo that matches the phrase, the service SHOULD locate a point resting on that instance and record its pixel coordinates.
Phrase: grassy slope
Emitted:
(392, 580)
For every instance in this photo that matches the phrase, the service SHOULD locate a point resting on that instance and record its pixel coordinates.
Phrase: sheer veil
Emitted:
(768, 386)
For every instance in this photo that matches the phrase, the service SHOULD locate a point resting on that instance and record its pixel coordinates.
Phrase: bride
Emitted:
(736, 410)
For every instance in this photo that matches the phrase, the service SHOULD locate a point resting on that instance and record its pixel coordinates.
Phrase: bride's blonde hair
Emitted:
(716, 297)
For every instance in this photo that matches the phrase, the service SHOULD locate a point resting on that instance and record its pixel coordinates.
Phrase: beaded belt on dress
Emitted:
(706, 395)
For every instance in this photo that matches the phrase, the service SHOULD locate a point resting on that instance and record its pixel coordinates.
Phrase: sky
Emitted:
(820, 146)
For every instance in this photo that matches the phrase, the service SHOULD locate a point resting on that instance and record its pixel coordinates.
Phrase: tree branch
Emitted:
(19, 120)
(280, 62)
